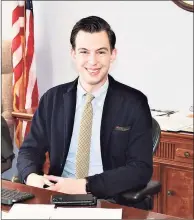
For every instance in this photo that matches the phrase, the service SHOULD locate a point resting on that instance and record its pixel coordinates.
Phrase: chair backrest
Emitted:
(156, 132)
(7, 152)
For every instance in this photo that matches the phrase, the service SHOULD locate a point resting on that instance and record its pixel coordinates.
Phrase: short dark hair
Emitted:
(93, 24)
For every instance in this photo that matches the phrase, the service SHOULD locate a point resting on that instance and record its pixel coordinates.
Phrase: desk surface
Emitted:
(42, 196)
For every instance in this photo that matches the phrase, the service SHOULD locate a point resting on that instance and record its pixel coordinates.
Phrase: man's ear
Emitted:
(113, 55)
(73, 53)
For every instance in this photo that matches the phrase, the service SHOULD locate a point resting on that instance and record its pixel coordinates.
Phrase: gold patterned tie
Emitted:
(83, 151)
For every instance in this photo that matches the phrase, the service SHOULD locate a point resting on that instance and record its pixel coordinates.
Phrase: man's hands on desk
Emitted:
(37, 180)
(65, 185)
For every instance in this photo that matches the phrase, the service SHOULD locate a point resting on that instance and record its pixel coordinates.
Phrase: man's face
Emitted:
(93, 56)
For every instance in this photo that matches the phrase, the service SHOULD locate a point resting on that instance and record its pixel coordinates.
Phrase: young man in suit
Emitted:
(98, 132)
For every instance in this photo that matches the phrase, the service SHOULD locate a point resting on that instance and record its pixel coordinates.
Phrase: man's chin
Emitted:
(93, 82)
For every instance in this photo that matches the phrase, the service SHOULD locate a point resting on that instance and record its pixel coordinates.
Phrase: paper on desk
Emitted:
(175, 122)
(86, 213)
(5, 215)
(30, 211)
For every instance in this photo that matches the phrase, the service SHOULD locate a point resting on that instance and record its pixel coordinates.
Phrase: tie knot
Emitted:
(89, 97)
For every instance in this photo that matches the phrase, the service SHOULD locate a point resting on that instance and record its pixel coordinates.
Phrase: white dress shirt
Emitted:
(95, 166)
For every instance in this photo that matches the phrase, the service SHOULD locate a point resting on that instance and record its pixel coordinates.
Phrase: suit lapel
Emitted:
(69, 115)
(112, 104)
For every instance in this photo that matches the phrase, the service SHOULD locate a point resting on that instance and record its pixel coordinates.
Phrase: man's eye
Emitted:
(84, 52)
(101, 52)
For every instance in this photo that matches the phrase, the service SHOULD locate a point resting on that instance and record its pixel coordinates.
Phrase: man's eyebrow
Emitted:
(82, 49)
(103, 48)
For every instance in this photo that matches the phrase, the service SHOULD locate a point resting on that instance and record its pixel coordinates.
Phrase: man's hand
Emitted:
(36, 180)
(67, 185)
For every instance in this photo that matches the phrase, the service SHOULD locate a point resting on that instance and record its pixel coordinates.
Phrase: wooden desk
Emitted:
(173, 167)
(42, 196)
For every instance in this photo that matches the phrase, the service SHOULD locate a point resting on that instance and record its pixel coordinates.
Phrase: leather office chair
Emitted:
(145, 194)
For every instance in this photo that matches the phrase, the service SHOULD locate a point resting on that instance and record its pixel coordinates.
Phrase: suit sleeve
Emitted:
(31, 155)
(139, 159)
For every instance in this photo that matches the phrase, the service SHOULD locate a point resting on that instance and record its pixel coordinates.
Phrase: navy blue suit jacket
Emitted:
(126, 138)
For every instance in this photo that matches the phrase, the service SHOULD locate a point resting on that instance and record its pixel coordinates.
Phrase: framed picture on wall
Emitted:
(187, 5)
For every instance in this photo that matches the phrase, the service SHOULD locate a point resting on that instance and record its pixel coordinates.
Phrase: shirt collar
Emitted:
(81, 92)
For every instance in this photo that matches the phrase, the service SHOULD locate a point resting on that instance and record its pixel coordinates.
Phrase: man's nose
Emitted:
(92, 59)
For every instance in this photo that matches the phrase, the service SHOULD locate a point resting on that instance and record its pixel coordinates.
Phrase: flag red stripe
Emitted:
(16, 42)
(17, 12)
(17, 71)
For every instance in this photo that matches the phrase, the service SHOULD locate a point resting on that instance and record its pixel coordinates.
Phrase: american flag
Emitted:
(25, 89)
